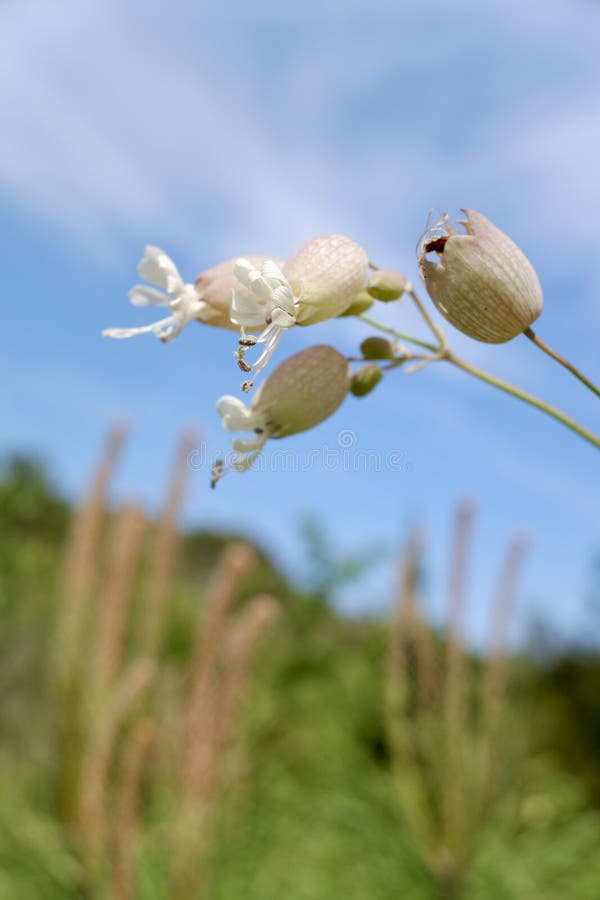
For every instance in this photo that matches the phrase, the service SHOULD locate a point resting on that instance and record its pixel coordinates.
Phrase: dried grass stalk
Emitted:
(69, 658)
(99, 755)
(438, 751)
(164, 551)
(410, 690)
(141, 738)
(223, 690)
(239, 651)
(236, 561)
(81, 556)
(495, 676)
(456, 682)
(115, 597)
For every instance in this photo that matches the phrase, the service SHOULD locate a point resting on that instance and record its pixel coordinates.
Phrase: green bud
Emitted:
(363, 381)
(377, 348)
(386, 285)
(360, 304)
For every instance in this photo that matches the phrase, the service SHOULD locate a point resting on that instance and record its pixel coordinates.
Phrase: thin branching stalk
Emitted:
(516, 392)
(399, 335)
(533, 337)
(442, 352)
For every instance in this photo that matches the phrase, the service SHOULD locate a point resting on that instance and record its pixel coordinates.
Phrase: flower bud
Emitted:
(327, 274)
(387, 285)
(365, 379)
(482, 283)
(361, 304)
(215, 287)
(377, 348)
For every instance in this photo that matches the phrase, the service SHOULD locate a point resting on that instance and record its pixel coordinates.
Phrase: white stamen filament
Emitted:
(273, 305)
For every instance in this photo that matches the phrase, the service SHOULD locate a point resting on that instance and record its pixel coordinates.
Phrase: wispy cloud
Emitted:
(124, 121)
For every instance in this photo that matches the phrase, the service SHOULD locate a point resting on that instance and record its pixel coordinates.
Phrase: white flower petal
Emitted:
(142, 295)
(235, 415)
(261, 287)
(272, 273)
(242, 270)
(120, 333)
(247, 312)
(282, 319)
(250, 444)
(243, 463)
(284, 299)
(158, 268)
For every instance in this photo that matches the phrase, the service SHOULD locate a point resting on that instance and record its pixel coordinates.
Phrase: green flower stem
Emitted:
(525, 397)
(530, 333)
(442, 352)
(397, 334)
(437, 332)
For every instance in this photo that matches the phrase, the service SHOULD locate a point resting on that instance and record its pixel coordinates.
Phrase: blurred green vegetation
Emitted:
(308, 808)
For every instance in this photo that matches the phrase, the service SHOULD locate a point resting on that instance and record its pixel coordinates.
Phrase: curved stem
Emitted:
(439, 334)
(530, 333)
(525, 397)
(397, 334)
(442, 351)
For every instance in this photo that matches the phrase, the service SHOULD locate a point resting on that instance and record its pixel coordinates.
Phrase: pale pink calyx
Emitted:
(300, 393)
(480, 281)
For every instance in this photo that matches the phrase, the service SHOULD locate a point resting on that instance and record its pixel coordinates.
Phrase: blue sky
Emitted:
(217, 130)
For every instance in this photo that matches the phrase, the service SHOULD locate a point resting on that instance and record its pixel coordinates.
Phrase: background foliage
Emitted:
(308, 806)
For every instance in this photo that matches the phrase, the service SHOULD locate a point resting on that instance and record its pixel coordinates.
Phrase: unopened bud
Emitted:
(482, 283)
(365, 379)
(387, 285)
(361, 304)
(377, 348)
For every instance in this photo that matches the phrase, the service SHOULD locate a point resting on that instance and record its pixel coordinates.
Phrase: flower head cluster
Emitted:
(479, 280)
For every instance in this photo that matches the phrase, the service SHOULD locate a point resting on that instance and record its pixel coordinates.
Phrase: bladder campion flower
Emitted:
(208, 300)
(482, 283)
(319, 282)
(304, 390)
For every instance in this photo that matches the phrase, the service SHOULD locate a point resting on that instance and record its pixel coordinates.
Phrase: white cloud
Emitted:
(212, 128)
